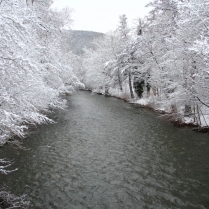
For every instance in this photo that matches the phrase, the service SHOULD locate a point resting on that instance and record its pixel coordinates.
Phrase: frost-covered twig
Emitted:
(4, 163)
(10, 201)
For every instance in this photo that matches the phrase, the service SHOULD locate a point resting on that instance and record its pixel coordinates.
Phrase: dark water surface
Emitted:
(105, 153)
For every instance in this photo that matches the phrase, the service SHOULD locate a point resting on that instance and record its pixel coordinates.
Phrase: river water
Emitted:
(106, 153)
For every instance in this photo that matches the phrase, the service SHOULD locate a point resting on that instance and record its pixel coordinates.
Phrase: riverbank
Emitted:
(178, 119)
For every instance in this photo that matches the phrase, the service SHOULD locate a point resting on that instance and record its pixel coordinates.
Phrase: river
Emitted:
(105, 153)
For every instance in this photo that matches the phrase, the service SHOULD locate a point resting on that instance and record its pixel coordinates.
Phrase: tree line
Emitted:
(163, 59)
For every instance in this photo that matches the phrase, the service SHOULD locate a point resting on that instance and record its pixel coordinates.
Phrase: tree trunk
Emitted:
(120, 82)
(187, 110)
(106, 90)
(130, 85)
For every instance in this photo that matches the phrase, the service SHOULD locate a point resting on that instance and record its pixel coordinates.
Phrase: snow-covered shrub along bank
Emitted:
(34, 72)
(8, 200)
(164, 60)
(33, 69)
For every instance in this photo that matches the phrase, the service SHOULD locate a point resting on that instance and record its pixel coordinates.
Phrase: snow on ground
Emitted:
(188, 120)
(142, 101)
(204, 120)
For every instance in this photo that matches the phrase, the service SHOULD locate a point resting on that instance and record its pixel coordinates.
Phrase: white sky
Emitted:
(102, 15)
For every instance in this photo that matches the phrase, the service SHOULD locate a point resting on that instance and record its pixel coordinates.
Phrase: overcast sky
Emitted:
(102, 15)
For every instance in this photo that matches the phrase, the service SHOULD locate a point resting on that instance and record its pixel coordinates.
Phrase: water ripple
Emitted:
(105, 153)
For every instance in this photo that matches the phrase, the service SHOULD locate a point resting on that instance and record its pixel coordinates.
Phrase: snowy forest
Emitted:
(161, 63)
(163, 60)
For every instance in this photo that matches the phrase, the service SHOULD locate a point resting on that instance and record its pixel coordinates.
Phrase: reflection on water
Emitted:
(105, 153)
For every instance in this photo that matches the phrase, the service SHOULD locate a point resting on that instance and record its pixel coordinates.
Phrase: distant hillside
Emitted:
(81, 39)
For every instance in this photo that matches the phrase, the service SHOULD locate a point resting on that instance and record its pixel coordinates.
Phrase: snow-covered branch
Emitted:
(10, 201)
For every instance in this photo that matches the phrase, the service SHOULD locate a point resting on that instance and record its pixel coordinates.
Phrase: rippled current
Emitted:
(105, 153)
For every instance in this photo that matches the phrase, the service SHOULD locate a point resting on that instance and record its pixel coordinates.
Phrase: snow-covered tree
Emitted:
(33, 71)
(168, 57)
